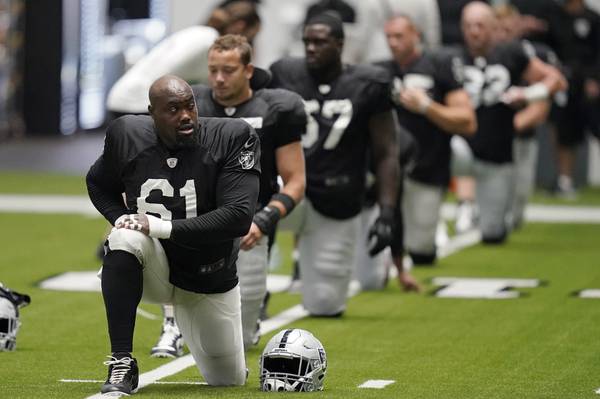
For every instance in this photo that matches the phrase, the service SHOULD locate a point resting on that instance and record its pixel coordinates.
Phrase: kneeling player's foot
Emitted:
(123, 376)
(170, 342)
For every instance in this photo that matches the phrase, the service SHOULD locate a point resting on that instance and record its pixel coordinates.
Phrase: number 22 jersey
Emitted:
(486, 79)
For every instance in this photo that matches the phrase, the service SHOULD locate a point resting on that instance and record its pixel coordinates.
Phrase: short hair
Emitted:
(227, 14)
(332, 20)
(506, 10)
(234, 42)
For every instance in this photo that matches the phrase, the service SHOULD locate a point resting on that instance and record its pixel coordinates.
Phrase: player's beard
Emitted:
(188, 141)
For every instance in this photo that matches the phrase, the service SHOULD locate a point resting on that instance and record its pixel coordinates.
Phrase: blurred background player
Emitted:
(279, 119)
(349, 113)
(575, 36)
(432, 106)
(528, 118)
(491, 74)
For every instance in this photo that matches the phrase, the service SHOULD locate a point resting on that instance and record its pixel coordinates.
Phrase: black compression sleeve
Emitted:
(105, 191)
(237, 194)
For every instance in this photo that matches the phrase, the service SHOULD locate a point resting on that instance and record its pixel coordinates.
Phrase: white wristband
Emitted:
(159, 228)
(536, 92)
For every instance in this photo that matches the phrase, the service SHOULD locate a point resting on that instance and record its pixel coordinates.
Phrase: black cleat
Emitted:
(123, 376)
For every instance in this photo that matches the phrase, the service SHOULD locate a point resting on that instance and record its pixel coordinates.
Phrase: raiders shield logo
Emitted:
(246, 159)
(172, 162)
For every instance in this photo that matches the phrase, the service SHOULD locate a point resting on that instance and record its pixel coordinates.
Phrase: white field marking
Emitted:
(487, 288)
(80, 204)
(61, 204)
(156, 382)
(545, 213)
(284, 318)
(590, 293)
(376, 384)
(88, 281)
(458, 242)
(147, 315)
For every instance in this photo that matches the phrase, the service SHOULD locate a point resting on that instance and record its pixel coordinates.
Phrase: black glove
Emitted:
(266, 219)
(381, 232)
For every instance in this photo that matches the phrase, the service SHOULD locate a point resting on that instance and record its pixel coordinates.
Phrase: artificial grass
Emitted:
(543, 345)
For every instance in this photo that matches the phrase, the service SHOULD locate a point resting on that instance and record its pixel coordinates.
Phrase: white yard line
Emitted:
(157, 382)
(80, 204)
(54, 204)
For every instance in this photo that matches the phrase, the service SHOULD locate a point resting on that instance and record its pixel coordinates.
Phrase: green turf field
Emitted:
(545, 344)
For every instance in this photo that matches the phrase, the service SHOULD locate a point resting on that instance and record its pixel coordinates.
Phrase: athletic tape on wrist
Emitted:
(287, 201)
(159, 228)
(536, 92)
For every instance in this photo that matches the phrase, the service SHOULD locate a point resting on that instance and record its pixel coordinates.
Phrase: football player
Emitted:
(528, 118)
(190, 191)
(349, 114)
(279, 119)
(492, 75)
(432, 106)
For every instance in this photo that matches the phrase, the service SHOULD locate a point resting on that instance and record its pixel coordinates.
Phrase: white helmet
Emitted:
(9, 325)
(10, 302)
(293, 360)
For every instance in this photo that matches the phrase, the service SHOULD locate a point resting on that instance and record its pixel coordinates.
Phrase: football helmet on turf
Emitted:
(10, 302)
(293, 360)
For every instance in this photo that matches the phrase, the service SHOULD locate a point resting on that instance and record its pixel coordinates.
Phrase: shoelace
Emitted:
(119, 369)
(169, 336)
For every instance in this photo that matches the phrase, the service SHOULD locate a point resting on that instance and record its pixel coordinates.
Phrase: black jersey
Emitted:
(336, 140)
(546, 54)
(433, 73)
(278, 117)
(576, 39)
(209, 192)
(486, 79)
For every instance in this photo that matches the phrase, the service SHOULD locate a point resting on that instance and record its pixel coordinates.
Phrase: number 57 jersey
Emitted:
(336, 141)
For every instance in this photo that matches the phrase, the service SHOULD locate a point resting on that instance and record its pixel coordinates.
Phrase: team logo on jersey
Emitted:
(246, 159)
(172, 162)
(582, 27)
(229, 111)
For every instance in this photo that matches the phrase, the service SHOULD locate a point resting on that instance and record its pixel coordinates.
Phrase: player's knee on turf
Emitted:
(496, 238)
(325, 301)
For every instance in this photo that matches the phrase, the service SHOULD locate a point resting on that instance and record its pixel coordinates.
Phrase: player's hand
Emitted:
(415, 100)
(136, 222)
(408, 282)
(514, 97)
(591, 87)
(250, 240)
(381, 232)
